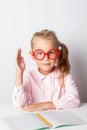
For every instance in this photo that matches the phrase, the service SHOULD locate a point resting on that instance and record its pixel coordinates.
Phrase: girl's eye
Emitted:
(52, 52)
(40, 53)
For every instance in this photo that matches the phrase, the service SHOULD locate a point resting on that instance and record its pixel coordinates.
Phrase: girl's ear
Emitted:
(31, 55)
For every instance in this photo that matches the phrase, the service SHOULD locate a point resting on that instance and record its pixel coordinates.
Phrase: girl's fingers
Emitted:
(18, 54)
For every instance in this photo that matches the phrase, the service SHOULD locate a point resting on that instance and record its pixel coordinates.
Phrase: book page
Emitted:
(28, 121)
(62, 118)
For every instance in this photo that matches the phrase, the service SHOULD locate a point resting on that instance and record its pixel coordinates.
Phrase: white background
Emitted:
(19, 19)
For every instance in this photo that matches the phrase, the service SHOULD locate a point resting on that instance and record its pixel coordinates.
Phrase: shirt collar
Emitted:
(53, 74)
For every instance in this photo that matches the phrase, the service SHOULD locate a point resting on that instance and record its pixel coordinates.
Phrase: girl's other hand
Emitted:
(19, 61)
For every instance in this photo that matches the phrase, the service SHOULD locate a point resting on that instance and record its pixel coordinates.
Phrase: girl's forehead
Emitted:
(43, 43)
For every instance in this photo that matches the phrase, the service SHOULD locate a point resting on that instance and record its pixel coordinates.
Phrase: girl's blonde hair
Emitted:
(63, 61)
(45, 34)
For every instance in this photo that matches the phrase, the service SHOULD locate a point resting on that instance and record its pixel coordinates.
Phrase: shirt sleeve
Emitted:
(22, 94)
(69, 97)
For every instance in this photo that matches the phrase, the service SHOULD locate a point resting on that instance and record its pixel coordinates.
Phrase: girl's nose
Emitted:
(46, 57)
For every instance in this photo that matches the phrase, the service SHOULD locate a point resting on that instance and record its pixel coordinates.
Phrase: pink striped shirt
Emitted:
(40, 88)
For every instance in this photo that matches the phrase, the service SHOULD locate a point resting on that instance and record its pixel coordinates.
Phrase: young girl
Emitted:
(51, 85)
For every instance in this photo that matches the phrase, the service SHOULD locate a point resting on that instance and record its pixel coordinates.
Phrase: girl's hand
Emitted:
(32, 107)
(19, 61)
(39, 107)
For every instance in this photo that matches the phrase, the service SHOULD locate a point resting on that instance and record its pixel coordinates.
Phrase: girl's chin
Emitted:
(46, 70)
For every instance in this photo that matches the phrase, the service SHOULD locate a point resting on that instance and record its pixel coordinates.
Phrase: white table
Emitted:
(7, 110)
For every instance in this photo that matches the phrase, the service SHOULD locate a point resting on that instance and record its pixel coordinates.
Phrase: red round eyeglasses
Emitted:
(52, 54)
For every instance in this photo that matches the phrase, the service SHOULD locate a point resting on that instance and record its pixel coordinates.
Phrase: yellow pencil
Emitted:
(44, 120)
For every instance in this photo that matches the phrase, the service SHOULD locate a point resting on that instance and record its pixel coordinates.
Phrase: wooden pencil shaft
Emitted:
(43, 119)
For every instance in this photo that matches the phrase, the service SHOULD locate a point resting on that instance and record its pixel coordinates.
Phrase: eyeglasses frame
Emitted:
(56, 50)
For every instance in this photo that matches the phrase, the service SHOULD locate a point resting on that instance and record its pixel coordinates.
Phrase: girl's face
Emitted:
(46, 65)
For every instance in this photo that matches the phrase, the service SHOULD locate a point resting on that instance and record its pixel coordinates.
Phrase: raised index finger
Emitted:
(18, 54)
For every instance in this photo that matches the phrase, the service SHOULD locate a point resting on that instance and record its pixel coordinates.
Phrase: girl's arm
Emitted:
(39, 106)
(20, 67)
(69, 96)
(20, 96)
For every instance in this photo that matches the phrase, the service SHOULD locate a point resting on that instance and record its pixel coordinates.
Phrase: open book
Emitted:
(42, 120)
